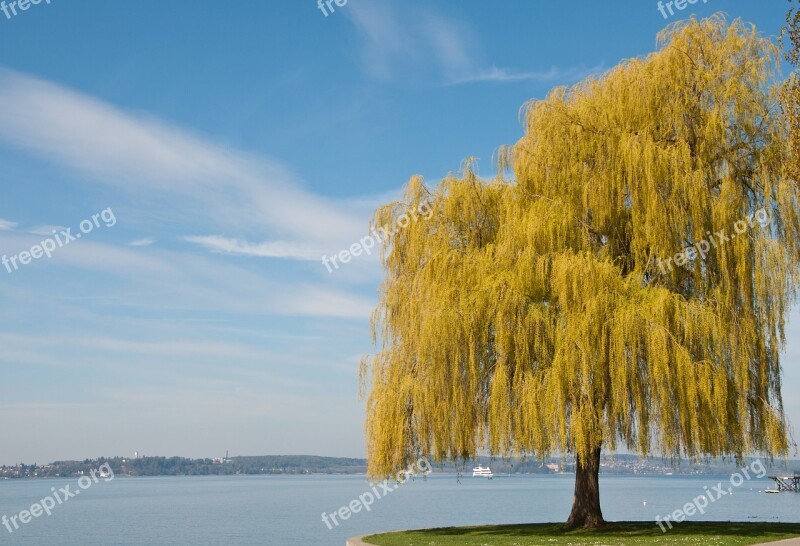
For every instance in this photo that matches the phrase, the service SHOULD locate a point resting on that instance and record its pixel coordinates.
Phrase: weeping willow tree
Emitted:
(531, 316)
(791, 90)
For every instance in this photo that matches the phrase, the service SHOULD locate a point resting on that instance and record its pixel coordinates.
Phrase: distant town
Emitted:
(309, 464)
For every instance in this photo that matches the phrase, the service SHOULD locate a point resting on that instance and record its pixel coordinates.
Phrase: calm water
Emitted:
(285, 510)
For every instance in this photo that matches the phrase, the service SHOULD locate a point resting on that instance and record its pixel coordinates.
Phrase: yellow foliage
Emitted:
(529, 317)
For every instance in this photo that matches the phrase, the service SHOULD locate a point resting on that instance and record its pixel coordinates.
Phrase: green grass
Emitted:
(624, 534)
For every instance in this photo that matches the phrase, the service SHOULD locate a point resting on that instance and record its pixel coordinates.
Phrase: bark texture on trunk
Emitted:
(586, 502)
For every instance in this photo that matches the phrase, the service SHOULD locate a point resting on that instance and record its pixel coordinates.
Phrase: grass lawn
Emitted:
(628, 533)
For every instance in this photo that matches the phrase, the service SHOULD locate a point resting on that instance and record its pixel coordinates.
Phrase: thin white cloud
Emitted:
(147, 241)
(7, 225)
(495, 74)
(453, 43)
(46, 230)
(201, 283)
(382, 36)
(425, 43)
(408, 40)
(162, 165)
(274, 249)
(554, 75)
(174, 349)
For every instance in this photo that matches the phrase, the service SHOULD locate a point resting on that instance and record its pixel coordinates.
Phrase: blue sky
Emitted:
(236, 143)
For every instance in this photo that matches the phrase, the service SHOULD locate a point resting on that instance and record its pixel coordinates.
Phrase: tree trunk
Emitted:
(586, 502)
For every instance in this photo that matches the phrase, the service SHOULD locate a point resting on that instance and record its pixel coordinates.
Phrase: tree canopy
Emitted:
(791, 91)
(531, 313)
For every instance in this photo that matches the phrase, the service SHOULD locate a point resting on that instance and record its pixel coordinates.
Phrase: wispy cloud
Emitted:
(198, 186)
(46, 230)
(495, 74)
(274, 249)
(200, 282)
(187, 175)
(411, 40)
(554, 75)
(382, 34)
(425, 43)
(7, 225)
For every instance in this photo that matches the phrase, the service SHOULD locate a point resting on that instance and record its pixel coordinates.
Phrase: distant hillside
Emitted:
(312, 464)
(300, 464)
(181, 466)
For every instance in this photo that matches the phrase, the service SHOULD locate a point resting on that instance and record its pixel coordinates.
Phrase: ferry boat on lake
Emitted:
(482, 472)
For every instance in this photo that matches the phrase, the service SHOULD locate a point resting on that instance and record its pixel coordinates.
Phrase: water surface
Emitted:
(286, 510)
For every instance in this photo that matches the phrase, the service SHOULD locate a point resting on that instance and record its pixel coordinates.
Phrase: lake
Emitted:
(287, 510)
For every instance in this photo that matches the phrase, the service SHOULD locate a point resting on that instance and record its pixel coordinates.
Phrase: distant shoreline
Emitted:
(437, 473)
(294, 465)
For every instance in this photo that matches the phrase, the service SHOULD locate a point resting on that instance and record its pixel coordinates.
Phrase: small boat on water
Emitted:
(482, 472)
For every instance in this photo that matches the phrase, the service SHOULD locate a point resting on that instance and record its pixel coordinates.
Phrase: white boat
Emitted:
(482, 472)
